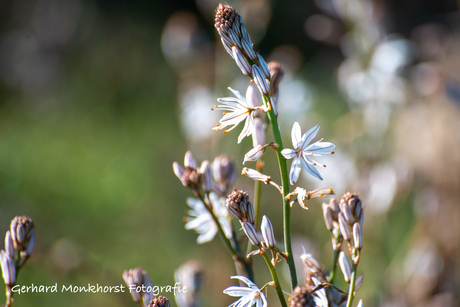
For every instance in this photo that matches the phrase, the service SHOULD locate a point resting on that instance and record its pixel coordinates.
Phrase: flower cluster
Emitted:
(19, 244)
(239, 222)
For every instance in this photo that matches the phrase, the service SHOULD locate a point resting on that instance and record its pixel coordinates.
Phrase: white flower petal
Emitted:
(295, 170)
(288, 153)
(295, 134)
(320, 148)
(308, 165)
(308, 136)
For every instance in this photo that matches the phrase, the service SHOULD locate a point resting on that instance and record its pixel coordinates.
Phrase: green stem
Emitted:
(285, 184)
(334, 266)
(351, 290)
(279, 291)
(236, 256)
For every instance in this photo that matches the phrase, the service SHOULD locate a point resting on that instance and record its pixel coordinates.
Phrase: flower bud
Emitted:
(267, 232)
(8, 268)
(351, 206)
(251, 233)
(224, 173)
(159, 301)
(239, 206)
(206, 174)
(255, 153)
(345, 266)
(260, 80)
(241, 61)
(357, 236)
(9, 247)
(344, 228)
(22, 233)
(136, 278)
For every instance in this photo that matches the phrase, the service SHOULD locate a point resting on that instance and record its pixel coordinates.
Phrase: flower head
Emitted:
(202, 222)
(303, 151)
(238, 110)
(249, 296)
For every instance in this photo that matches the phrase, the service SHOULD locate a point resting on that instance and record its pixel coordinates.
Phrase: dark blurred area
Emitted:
(98, 98)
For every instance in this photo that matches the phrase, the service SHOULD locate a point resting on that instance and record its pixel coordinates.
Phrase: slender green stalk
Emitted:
(279, 291)
(334, 266)
(235, 254)
(257, 189)
(285, 184)
(351, 290)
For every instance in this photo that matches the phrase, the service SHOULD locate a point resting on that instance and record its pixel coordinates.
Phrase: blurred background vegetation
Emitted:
(98, 98)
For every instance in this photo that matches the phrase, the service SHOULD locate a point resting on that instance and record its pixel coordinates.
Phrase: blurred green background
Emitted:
(99, 98)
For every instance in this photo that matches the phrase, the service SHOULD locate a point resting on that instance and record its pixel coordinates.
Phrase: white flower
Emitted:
(249, 296)
(202, 222)
(238, 110)
(303, 150)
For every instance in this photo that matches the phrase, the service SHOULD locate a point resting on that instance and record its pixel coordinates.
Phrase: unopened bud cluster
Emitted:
(239, 206)
(19, 243)
(216, 177)
(238, 44)
(351, 218)
(159, 301)
(137, 279)
(301, 297)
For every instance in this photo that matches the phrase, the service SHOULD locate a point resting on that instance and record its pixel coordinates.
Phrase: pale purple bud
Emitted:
(224, 173)
(310, 263)
(179, 172)
(359, 282)
(344, 227)
(189, 160)
(267, 232)
(276, 75)
(263, 66)
(250, 214)
(354, 206)
(327, 214)
(345, 266)
(206, 172)
(248, 49)
(20, 233)
(238, 205)
(255, 175)
(30, 244)
(357, 236)
(9, 247)
(274, 106)
(258, 134)
(227, 44)
(241, 61)
(345, 209)
(8, 268)
(260, 80)
(13, 226)
(235, 39)
(255, 153)
(251, 233)
(129, 280)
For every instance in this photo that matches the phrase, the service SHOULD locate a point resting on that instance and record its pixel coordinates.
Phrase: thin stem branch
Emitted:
(351, 290)
(236, 255)
(334, 266)
(276, 281)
